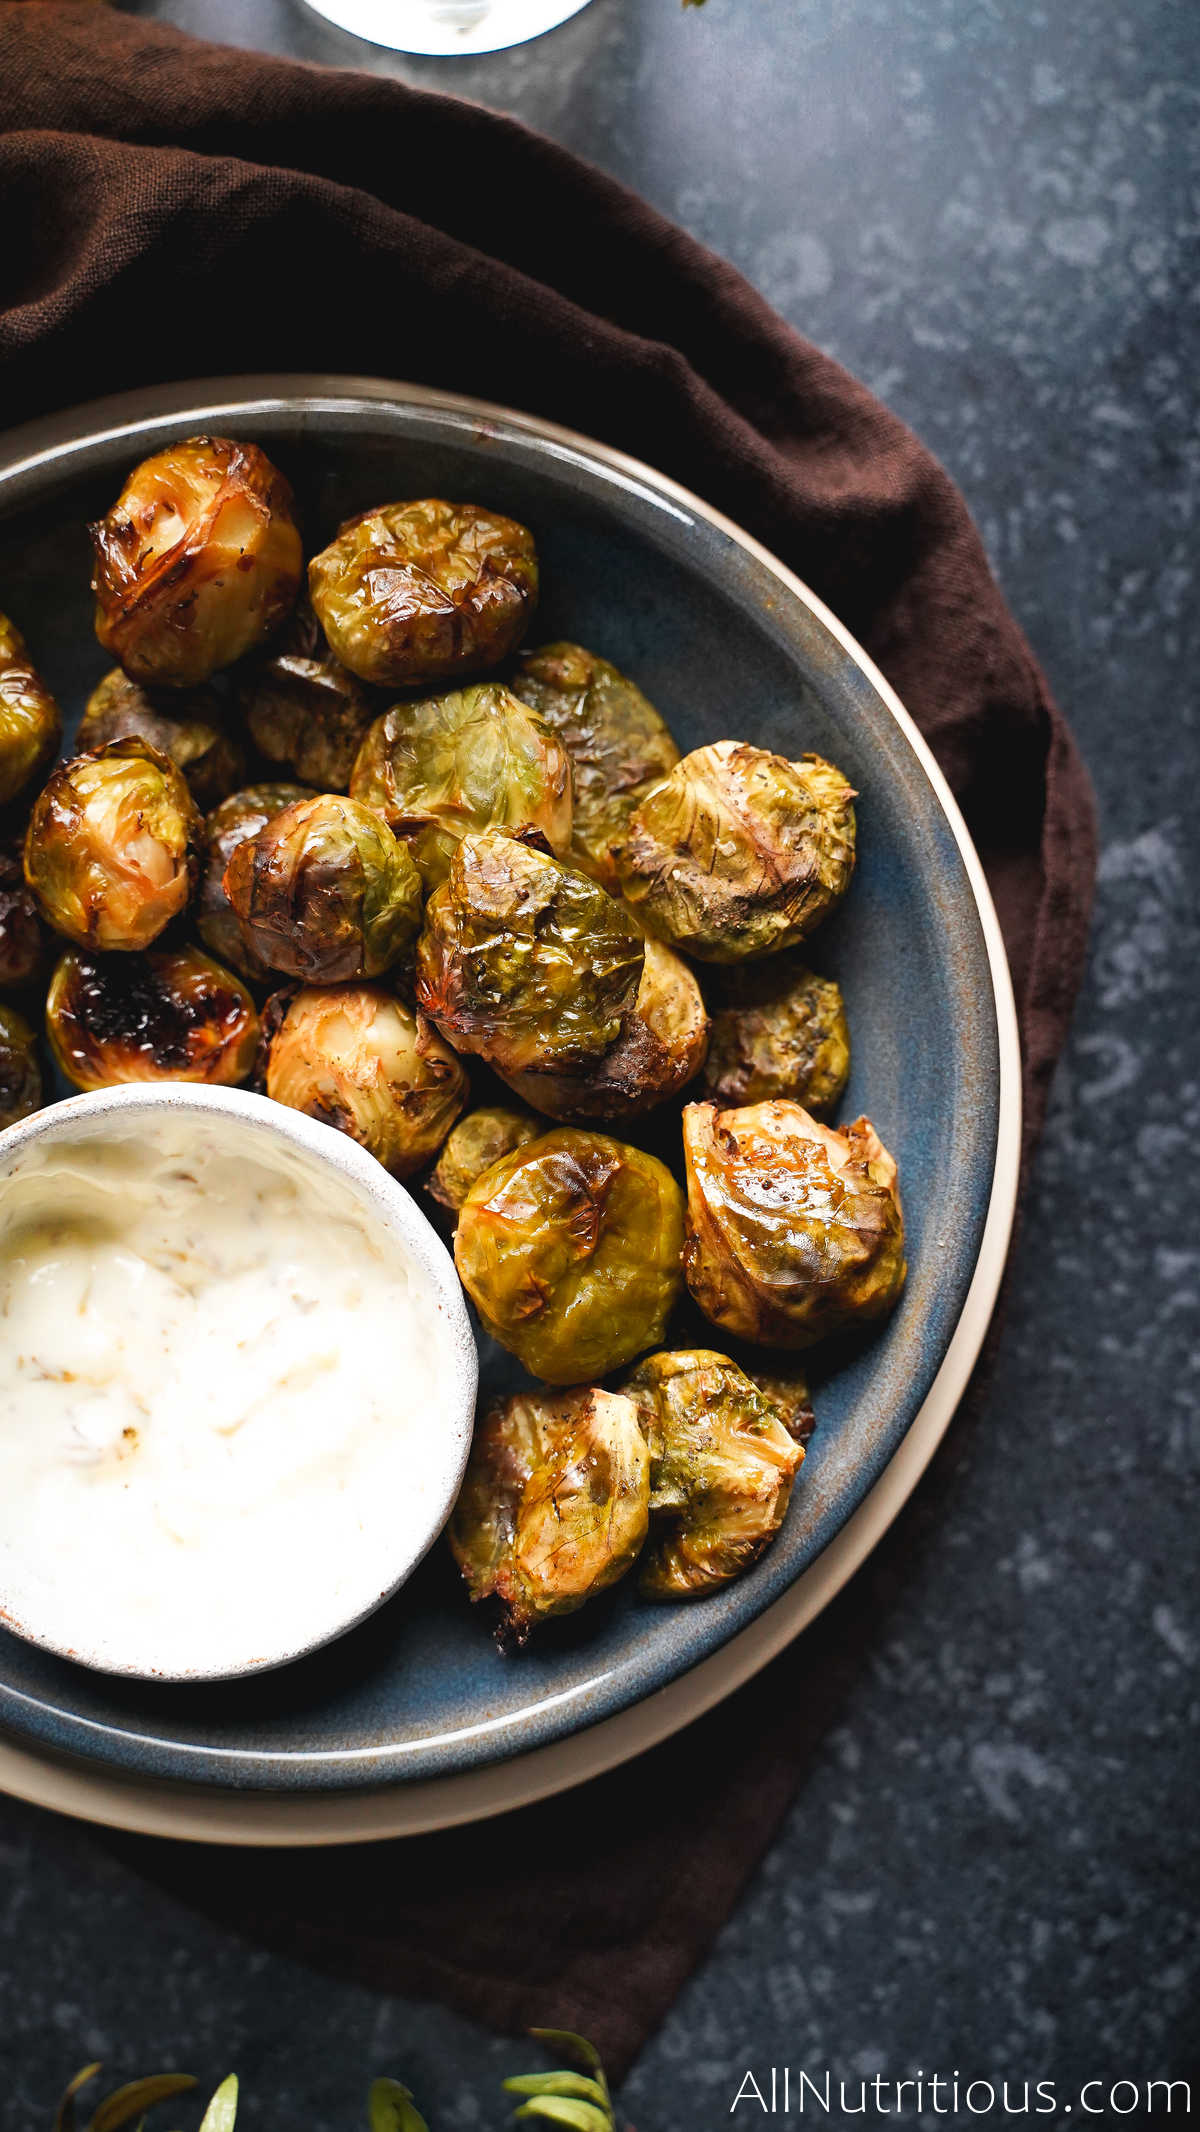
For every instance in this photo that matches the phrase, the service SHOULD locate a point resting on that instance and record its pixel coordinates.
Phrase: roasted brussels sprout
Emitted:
(554, 1505)
(525, 961)
(477, 1141)
(777, 1030)
(24, 941)
(189, 725)
(30, 720)
(788, 1393)
(303, 709)
(425, 591)
(171, 1015)
(738, 852)
(358, 1059)
(569, 1249)
(240, 816)
(325, 892)
(198, 561)
(20, 1071)
(721, 1470)
(112, 851)
(659, 1049)
(794, 1231)
(479, 759)
(616, 740)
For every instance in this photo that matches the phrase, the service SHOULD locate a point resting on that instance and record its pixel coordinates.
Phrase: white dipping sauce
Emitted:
(220, 1383)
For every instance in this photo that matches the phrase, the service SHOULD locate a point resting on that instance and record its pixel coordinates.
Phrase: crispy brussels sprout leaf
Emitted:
(112, 850)
(305, 712)
(240, 816)
(24, 941)
(188, 725)
(616, 740)
(20, 1070)
(778, 1030)
(64, 2116)
(554, 1505)
(390, 2108)
(221, 2114)
(477, 759)
(425, 591)
(478, 1140)
(788, 1393)
(739, 852)
(721, 1470)
(197, 562)
(324, 891)
(525, 961)
(794, 1231)
(660, 1048)
(30, 720)
(137, 2095)
(359, 1060)
(569, 1249)
(172, 1014)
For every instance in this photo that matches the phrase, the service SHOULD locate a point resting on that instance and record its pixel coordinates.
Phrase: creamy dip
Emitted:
(223, 1406)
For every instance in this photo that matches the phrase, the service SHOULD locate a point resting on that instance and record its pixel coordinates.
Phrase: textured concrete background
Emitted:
(989, 210)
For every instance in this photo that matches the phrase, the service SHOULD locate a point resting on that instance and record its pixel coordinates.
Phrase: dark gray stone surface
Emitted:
(988, 209)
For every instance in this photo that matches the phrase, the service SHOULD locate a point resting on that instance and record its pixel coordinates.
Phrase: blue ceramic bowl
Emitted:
(728, 647)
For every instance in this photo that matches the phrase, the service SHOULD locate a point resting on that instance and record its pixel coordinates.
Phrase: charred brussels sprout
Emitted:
(240, 816)
(186, 724)
(304, 711)
(721, 1470)
(112, 850)
(778, 1030)
(20, 1071)
(171, 1015)
(569, 1249)
(477, 1141)
(198, 561)
(478, 759)
(788, 1393)
(24, 942)
(525, 961)
(554, 1505)
(616, 740)
(659, 1049)
(739, 852)
(30, 720)
(794, 1231)
(324, 891)
(425, 591)
(358, 1059)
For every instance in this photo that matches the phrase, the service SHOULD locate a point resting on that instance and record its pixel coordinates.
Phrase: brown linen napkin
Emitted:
(173, 210)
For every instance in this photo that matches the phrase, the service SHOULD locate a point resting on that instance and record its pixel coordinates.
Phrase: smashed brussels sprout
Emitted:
(112, 851)
(24, 942)
(525, 961)
(303, 710)
(778, 1030)
(569, 1249)
(554, 1505)
(739, 852)
(30, 720)
(20, 1070)
(361, 1061)
(794, 1231)
(616, 740)
(171, 1015)
(425, 591)
(240, 816)
(660, 1048)
(477, 1141)
(721, 1470)
(187, 724)
(198, 561)
(325, 892)
(478, 759)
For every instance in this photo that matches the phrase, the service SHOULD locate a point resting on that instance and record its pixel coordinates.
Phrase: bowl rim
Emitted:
(25, 467)
(383, 1200)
